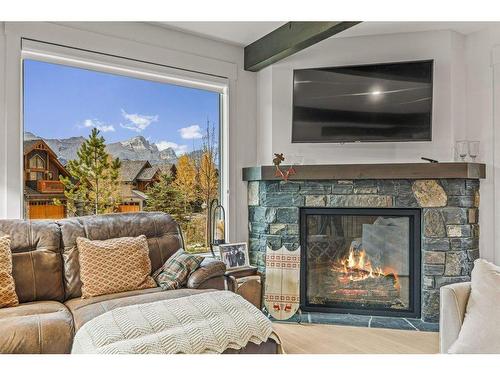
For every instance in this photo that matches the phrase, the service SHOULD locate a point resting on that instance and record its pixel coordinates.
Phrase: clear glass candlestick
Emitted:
(462, 149)
(473, 150)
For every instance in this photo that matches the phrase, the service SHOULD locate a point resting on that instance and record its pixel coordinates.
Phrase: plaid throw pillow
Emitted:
(176, 270)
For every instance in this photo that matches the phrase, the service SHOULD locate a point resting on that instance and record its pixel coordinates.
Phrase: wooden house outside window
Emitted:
(42, 187)
(135, 178)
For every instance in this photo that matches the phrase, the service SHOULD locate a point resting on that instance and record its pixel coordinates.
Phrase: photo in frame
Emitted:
(234, 255)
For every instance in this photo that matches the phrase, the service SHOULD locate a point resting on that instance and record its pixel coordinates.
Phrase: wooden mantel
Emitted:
(371, 171)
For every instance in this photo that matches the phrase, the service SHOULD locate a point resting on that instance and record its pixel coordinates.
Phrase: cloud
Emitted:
(191, 132)
(137, 122)
(99, 125)
(179, 149)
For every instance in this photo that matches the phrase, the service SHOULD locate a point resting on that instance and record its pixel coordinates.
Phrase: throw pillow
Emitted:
(8, 296)
(176, 270)
(114, 265)
(480, 332)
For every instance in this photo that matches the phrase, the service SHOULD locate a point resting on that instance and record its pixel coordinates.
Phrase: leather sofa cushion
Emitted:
(86, 309)
(162, 233)
(8, 296)
(43, 327)
(36, 259)
(114, 265)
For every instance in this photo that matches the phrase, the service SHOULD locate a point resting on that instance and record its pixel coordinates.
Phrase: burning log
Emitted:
(354, 281)
(342, 286)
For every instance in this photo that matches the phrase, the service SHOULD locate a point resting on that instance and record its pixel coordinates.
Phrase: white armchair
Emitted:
(454, 298)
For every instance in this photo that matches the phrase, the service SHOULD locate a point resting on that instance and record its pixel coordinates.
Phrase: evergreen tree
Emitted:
(185, 180)
(164, 196)
(92, 187)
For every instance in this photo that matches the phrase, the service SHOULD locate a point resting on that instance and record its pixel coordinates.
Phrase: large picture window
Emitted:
(97, 142)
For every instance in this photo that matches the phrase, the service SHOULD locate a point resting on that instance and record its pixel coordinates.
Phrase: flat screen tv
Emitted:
(367, 103)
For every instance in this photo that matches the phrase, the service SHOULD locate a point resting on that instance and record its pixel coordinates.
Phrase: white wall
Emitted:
(484, 125)
(462, 107)
(172, 48)
(444, 47)
(265, 107)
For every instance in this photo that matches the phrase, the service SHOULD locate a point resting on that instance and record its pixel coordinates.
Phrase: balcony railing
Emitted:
(47, 186)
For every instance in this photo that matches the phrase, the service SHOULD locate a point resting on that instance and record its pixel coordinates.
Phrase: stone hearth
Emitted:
(450, 230)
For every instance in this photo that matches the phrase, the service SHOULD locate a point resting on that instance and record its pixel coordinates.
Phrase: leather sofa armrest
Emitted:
(243, 272)
(453, 302)
(209, 268)
(231, 283)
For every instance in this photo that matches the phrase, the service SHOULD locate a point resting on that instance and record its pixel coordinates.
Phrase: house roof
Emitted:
(140, 194)
(166, 167)
(135, 196)
(31, 193)
(130, 169)
(31, 145)
(147, 174)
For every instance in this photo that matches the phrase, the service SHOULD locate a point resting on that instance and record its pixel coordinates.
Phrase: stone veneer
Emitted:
(450, 230)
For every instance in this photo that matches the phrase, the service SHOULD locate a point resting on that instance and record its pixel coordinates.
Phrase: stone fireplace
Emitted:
(391, 235)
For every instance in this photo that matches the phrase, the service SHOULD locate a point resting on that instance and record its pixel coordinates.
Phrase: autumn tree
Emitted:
(91, 187)
(185, 180)
(164, 196)
(208, 176)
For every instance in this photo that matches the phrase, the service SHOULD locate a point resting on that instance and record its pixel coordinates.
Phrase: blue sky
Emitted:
(62, 102)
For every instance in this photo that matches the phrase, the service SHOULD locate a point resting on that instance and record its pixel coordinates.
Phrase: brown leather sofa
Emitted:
(47, 276)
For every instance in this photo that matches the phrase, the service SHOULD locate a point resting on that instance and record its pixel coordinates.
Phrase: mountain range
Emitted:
(135, 148)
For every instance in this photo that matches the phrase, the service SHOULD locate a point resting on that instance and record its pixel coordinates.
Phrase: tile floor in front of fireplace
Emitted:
(410, 324)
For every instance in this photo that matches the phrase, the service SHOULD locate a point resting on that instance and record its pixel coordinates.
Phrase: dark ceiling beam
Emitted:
(289, 39)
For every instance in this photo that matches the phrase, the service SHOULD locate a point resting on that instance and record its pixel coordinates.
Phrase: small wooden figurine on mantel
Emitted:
(277, 160)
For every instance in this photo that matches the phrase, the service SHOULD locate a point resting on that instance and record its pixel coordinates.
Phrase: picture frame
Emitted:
(234, 255)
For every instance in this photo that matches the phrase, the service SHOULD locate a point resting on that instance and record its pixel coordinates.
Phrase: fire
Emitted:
(357, 266)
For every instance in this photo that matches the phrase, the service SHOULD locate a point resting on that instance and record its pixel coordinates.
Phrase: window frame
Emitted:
(68, 56)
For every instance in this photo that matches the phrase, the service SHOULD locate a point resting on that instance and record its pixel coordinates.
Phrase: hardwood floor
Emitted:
(335, 339)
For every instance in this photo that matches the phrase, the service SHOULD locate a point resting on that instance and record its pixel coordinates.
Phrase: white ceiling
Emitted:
(244, 33)
(378, 28)
(240, 33)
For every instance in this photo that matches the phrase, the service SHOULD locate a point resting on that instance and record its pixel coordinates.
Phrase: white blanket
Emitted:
(203, 323)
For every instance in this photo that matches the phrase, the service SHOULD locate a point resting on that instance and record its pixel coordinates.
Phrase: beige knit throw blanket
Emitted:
(203, 323)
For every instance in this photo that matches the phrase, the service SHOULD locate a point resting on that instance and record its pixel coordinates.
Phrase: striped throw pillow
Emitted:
(176, 270)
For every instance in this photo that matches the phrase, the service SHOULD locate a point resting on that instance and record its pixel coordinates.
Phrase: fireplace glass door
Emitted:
(361, 261)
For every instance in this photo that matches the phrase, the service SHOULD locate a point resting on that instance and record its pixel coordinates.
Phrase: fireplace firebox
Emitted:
(360, 261)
